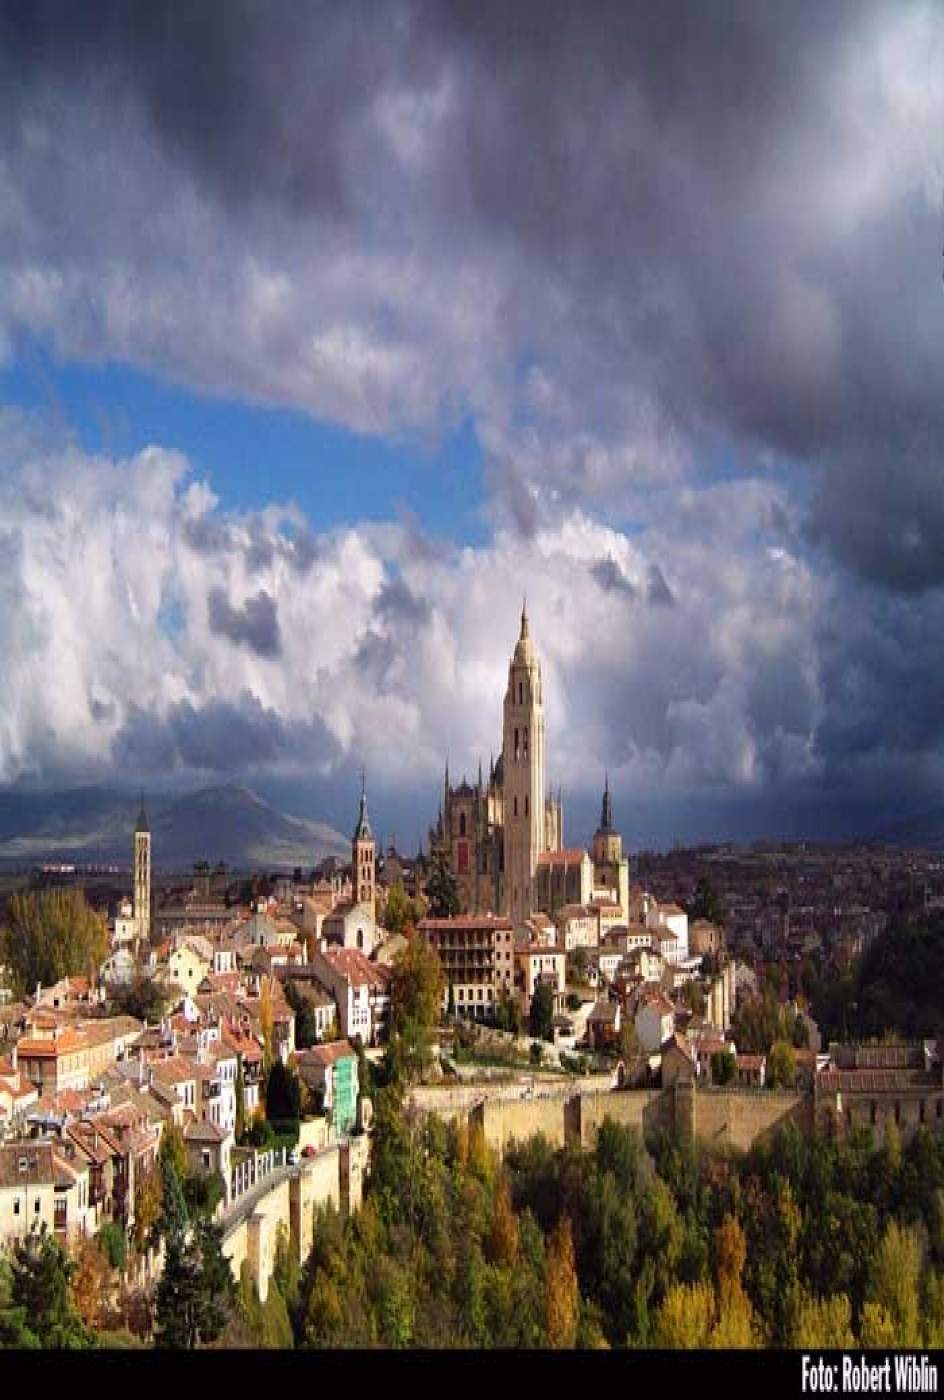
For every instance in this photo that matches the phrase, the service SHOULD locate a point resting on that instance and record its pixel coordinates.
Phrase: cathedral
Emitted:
(504, 837)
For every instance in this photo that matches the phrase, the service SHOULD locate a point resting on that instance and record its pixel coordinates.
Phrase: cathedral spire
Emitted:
(606, 816)
(524, 618)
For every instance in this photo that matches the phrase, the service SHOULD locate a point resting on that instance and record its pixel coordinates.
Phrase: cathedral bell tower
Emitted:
(523, 774)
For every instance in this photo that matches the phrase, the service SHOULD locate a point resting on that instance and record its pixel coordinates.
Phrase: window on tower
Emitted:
(517, 747)
(525, 732)
(516, 806)
(526, 804)
(520, 693)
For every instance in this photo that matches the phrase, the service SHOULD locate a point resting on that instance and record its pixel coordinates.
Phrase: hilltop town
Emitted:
(239, 1029)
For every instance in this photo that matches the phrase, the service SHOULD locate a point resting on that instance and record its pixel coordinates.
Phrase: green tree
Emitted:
(723, 1067)
(111, 1238)
(820, 1323)
(179, 1297)
(442, 890)
(49, 935)
(14, 1328)
(541, 1015)
(41, 1289)
(417, 986)
(283, 1097)
(400, 911)
(148, 1195)
(508, 1013)
(196, 1286)
(143, 997)
(781, 1066)
(694, 996)
(686, 1317)
(705, 903)
(896, 1278)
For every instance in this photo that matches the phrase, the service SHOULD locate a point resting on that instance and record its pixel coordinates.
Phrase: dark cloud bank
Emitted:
(648, 247)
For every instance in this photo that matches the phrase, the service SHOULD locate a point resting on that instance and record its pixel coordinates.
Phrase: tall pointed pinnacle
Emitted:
(142, 823)
(606, 816)
(524, 618)
(362, 830)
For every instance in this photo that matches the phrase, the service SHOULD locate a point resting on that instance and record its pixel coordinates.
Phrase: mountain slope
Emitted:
(94, 825)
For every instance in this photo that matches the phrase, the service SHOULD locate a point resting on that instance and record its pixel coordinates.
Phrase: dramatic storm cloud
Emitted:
(677, 265)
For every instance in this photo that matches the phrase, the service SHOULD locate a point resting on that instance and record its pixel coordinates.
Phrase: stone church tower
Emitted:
(142, 875)
(523, 776)
(363, 857)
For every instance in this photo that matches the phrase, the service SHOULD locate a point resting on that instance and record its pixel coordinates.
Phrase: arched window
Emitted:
(462, 823)
(516, 806)
(526, 804)
(360, 938)
(520, 693)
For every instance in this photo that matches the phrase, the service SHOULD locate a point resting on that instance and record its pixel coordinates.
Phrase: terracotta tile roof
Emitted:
(467, 923)
(358, 969)
(26, 1164)
(573, 856)
(174, 1070)
(202, 1130)
(52, 1048)
(877, 1081)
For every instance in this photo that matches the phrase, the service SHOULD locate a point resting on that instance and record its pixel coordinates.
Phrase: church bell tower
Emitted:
(142, 875)
(363, 857)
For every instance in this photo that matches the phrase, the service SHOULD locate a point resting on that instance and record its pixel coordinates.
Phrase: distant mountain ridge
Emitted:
(925, 831)
(228, 822)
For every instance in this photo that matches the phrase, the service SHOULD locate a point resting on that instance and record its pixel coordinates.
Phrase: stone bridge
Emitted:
(286, 1197)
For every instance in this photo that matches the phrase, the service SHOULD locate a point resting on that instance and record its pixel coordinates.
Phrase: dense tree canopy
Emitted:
(49, 935)
(400, 911)
(794, 1243)
(541, 1015)
(442, 891)
(283, 1096)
